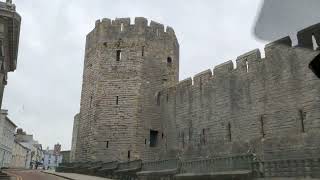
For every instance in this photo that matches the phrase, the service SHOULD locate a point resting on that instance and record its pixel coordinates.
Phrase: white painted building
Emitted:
(36, 148)
(7, 130)
(21, 156)
(51, 159)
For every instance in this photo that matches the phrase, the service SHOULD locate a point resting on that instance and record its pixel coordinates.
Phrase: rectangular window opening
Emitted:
(117, 100)
(153, 138)
(145, 141)
(119, 54)
(262, 126)
(302, 119)
(107, 145)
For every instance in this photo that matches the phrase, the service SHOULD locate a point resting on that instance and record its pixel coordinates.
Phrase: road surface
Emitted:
(31, 175)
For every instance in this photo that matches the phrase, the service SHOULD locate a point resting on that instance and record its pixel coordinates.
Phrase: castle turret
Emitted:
(125, 67)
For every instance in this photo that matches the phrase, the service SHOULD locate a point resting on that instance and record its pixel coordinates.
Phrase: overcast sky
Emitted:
(43, 94)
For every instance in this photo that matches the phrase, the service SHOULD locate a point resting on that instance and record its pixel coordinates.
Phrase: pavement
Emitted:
(47, 175)
(73, 176)
(31, 175)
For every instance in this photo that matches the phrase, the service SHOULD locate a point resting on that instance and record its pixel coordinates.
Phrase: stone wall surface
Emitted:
(125, 65)
(266, 106)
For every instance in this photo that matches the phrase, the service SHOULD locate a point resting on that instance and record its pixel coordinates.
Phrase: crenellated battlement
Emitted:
(122, 27)
(249, 62)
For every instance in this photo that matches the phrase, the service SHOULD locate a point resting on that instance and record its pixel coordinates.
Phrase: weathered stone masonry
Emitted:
(133, 107)
(125, 65)
(269, 106)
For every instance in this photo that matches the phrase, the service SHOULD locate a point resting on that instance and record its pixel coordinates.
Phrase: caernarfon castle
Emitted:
(133, 105)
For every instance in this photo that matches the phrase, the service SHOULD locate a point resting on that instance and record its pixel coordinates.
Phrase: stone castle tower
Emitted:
(126, 66)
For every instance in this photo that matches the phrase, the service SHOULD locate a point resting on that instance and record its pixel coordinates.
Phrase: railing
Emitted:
(160, 165)
(130, 165)
(232, 163)
(288, 168)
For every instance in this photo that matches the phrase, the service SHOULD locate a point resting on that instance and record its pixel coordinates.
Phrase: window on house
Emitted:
(303, 116)
(162, 135)
(129, 154)
(229, 132)
(119, 54)
(145, 141)
(117, 100)
(153, 138)
(262, 126)
(169, 61)
(107, 145)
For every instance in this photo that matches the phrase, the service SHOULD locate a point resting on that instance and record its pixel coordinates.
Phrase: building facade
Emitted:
(7, 130)
(133, 107)
(21, 156)
(51, 159)
(36, 149)
(10, 22)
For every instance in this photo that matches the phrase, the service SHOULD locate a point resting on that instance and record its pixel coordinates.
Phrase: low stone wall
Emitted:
(232, 167)
(288, 168)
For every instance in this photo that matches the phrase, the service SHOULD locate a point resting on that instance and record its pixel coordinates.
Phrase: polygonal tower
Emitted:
(126, 66)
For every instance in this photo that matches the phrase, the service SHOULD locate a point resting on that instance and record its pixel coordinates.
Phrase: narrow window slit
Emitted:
(302, 119)
(107, 145)
(90, 102)
(247, 66)
(117, 100)
(142, 52)
(119, 54)
(262, 126)
(129, 154)
(229, 132)
(158, 98)
(169, 61)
